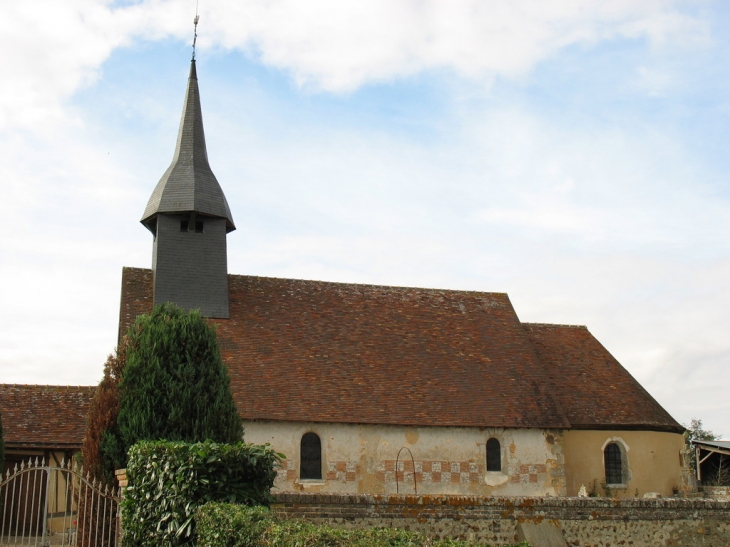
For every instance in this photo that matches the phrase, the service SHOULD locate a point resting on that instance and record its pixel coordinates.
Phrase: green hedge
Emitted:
(228, 525)
(168, 481)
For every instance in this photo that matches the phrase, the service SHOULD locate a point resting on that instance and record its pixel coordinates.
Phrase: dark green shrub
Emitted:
(168, 481)
(174, 385)
(227, 525)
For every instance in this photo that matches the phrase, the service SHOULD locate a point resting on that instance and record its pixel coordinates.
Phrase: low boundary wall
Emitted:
(586, 522)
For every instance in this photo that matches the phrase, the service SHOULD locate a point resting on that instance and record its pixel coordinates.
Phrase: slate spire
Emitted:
(189, 218)
(189, 184)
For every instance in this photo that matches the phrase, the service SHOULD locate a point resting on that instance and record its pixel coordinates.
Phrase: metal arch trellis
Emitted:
(44, 505)
(413, 462)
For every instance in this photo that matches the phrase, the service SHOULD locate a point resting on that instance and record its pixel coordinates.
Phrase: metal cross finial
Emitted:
(195, 32)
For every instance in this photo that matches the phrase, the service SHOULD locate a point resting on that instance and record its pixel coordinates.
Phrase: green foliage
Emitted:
(227, 525)
(696, 433)
(168, 481)
(174, 385)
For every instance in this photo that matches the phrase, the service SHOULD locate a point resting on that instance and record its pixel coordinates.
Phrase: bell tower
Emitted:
(189, 218)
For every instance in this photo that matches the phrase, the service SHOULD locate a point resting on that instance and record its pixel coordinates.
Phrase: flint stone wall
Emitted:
(586, 522)
(715, 492)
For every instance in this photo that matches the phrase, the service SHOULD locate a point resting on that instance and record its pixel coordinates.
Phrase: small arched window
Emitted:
(310, 457)
(494, 455)
(613, 463)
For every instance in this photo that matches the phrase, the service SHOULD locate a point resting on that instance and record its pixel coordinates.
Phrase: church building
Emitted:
(378, 389)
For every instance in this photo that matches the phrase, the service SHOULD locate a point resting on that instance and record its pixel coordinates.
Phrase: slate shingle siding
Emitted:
(189, 183)
(191, 268)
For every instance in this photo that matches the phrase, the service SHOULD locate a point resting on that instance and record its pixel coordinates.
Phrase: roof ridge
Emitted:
(556, 325)
(345, 283)
(370, 285)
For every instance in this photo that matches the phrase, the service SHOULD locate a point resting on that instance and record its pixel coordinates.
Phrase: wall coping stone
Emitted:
(685, 504)
(481, 508)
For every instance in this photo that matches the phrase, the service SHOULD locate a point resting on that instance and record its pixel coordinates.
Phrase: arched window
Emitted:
(310, 457)
(494, 455)
(614, 466)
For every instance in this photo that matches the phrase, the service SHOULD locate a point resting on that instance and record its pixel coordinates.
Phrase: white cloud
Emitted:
(54, 48)
(51, 49)
(340, 46)
(604, 226)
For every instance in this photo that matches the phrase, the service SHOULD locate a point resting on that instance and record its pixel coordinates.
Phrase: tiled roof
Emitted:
(136, 297)
(592, 387)
(44, 416)
(335, 352)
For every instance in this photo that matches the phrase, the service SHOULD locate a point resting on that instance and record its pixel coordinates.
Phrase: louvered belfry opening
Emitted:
(310, 464)
(612, 458)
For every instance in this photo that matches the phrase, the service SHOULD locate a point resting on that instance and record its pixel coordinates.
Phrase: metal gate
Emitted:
(42, 505)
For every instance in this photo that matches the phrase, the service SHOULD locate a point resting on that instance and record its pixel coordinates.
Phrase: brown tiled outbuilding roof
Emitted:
(593, 389)
(336, 352)
(44, 416)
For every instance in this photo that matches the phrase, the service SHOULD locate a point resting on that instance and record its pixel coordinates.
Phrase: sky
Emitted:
(573, 154)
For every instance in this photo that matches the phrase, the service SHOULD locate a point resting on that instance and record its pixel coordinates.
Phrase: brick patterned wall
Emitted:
(341, 471)
(527, 473)
(586, 522)
(427, 472)
(431, 471)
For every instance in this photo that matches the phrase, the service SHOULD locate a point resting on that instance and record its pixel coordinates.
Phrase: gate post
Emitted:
(47, 495)
(122, 481)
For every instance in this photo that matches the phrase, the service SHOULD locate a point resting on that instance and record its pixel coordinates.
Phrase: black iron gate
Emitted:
(43, 505)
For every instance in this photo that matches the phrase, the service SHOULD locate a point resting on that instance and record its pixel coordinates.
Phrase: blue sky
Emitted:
(573, 154)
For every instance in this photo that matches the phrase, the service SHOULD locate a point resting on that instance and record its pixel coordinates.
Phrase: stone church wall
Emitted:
(654, 462)
(365, 459)
(585, 522)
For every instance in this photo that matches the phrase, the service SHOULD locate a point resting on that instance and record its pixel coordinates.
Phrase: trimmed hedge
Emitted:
(228, 525)
(168, 481)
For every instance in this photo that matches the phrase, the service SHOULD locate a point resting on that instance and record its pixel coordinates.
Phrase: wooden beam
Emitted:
(697, 459)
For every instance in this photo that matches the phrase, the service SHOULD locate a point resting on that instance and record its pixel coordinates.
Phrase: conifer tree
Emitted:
(173, 386)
